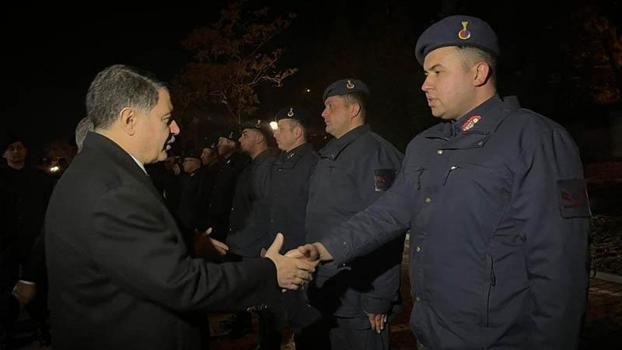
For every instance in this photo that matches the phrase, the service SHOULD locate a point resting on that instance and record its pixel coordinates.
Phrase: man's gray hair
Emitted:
(118, 87)
(84, 126)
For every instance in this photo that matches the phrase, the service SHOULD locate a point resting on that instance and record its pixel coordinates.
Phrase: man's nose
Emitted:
(174, 128)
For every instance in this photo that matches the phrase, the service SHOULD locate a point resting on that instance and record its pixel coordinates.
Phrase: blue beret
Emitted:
(345, 87)
(230, 134)
(457, 31)
(261, 126)
(298, 114)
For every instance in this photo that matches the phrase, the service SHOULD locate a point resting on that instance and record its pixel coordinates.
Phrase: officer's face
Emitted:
(208, 155)
(156, 130)
(249, 139)
(285, 134)
(448, 86)
(338, 115)
(15, 153)
(191, 164)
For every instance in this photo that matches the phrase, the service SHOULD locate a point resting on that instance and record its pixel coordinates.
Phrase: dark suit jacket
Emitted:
(120, 276)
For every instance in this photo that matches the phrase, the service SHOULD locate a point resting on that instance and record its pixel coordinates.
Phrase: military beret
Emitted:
(209, 141)
(457, 31)
(230, 134)
(8, 138)
(345, 87)
(261, 126)
(298, 114)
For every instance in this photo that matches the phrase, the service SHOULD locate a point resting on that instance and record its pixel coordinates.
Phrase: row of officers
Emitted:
(302, 194)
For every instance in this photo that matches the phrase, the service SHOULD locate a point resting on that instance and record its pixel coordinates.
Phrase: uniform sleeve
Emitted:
(381, 268)
(552, 208)
(384, 220)
(134, 246)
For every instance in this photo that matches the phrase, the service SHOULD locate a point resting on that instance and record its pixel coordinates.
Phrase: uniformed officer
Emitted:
(354, 169)
(287, 203)
(495, 199)
(291, 172)
(247, 234)
(227, 171)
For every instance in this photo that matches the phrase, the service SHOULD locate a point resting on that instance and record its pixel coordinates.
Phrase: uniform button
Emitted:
(428, 199)
(418, 249)
(480, 143)
(417, 299)
(440, 151)
(453, 167)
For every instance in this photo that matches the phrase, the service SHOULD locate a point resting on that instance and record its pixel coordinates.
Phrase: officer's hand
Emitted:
(377, 321)
(24, 292)
(207, 247)
(312, 252)
(291, 272)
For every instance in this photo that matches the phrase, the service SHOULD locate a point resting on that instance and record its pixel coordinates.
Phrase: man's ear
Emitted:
(127, 119)
(298, 131)
(355, 109)
(482, 73)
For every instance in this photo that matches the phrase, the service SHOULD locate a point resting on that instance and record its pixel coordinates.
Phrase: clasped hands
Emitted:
(296, 267)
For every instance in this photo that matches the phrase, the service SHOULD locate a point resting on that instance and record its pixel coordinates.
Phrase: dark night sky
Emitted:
(51, 55)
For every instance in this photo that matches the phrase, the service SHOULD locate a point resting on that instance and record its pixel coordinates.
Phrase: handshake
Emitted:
(296, 267)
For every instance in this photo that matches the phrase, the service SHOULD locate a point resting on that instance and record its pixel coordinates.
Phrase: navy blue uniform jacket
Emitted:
(499, 221)
(353, 171)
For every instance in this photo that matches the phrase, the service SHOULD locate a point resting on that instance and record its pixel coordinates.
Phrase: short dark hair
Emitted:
(358, 98)
(117, 87)
(471, 55)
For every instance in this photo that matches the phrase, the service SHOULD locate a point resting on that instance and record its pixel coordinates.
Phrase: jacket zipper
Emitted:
(491, 285)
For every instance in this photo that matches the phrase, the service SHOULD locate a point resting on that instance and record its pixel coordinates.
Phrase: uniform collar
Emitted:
(483, 119)
(296, 152)
(335, 146)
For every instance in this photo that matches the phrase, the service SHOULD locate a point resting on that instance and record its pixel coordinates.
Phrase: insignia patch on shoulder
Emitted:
(573, 199)
(383, 179)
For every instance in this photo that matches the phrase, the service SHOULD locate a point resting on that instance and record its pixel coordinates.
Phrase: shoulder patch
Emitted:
(383, 179)
(573, 199)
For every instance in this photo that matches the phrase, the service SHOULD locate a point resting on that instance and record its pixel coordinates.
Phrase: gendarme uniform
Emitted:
(249, 209)
(499, 218)
(289, 188)
(353, 171)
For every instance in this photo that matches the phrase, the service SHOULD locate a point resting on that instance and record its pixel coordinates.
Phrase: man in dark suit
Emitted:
(119, 272)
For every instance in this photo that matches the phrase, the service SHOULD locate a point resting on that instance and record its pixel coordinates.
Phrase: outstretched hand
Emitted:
(207, 247)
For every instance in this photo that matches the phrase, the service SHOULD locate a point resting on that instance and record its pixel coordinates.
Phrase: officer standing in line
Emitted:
(495, 200)
(291, 172)
(354, 169)
(287, 202)
(227, 170)
(247, 235)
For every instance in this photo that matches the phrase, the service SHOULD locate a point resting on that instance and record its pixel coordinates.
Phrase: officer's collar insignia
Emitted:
(289, 156)
(291, 112)
(258, 123)
(471, 122)
(350, 84)
(464, 34)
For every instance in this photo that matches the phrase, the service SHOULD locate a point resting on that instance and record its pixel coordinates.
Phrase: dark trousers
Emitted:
(337, 333)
